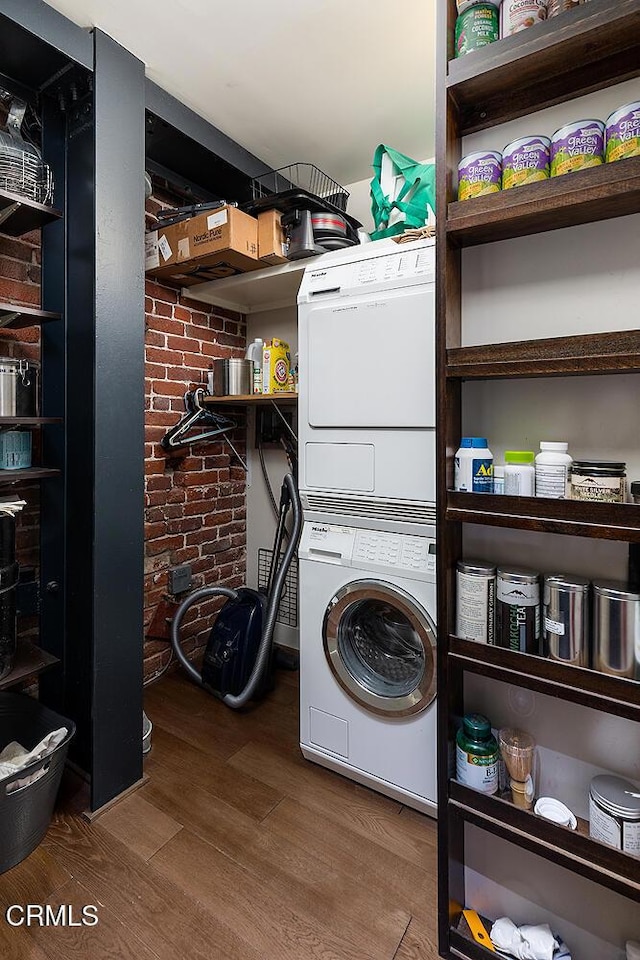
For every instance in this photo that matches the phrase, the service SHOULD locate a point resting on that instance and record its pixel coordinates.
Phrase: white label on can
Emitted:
(551, 480)
(518, 594)
(479, 773)
(603, 827)
(474, 595)
(554, 626)
(631, 837)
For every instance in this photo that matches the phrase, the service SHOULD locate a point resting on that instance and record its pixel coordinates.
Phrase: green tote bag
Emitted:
(402, 190)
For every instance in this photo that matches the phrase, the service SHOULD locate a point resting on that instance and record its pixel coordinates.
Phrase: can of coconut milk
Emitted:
(623, 132)
(577, 146)
(525, 160)
(517, 15)
(479, 174)
(476, 27)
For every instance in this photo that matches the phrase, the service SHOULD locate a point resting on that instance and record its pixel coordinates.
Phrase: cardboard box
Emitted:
(272, 244)
(207, 247)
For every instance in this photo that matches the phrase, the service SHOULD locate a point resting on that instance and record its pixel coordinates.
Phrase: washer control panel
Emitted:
(368, 549)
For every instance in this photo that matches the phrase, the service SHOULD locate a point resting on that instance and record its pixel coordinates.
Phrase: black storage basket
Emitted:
(26, 813)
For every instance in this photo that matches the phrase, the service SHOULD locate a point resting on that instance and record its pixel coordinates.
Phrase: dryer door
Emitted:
(381, 647)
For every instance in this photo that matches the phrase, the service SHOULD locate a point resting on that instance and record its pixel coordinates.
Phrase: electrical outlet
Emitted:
(180, 578)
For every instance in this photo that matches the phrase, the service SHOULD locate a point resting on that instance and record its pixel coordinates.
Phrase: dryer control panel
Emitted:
(375, 550)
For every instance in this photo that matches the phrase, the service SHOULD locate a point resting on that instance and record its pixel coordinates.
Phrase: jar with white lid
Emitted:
(614, 813)
(553, 469)
(519, 473)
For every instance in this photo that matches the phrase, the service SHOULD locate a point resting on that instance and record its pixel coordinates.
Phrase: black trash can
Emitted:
(25, 813)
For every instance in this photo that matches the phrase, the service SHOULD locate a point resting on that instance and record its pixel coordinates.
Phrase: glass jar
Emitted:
(601, 481)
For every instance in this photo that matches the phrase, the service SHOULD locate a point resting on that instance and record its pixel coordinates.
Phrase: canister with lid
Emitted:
(476, 596)
(553, 465)
(616, 629)
(518, 610)
(614, 813)
(603, 481)
(565, 624)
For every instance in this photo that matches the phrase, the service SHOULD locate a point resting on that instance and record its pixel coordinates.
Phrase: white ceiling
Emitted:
(323, 81)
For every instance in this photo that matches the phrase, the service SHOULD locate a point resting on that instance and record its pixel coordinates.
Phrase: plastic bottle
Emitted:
(474, 466)
(254, 353)
(498, 479)
(553, 466)
(519, 473)
(477, 754)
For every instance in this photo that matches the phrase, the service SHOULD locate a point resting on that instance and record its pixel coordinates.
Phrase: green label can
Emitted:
(476, 27)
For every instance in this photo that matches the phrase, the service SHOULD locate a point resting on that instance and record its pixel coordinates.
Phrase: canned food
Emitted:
(476, 27)
(554, 7)
(614, 813)
(565, 625)
(525, 160)
(476, 596)
(463, 5)
(577, 146)
(518, 15)
(518, 610)
(623, 133)
(603, 481)
(479, 174)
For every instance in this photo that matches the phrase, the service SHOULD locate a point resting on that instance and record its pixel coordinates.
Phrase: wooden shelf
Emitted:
(600, 193)
(29, 473)
(586, 355)
(29, 661)
(28, 421)
(569, 848)
(601, 521)
(599, 691)
(571, 55)
(19, 215)
(17, 317)
(254, 398)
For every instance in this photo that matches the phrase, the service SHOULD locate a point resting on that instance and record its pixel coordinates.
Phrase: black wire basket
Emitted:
(303, 176)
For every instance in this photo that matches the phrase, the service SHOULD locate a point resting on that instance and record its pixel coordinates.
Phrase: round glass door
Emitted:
(380, 645)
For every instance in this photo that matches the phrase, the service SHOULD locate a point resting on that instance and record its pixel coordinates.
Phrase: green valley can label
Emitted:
(476, 27)
(623, 133)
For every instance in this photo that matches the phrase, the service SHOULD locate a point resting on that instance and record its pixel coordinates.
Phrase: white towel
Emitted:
(15, 757)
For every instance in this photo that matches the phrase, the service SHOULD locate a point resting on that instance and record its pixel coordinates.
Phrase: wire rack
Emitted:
(26, 174)
(288, 609)
(301, 176)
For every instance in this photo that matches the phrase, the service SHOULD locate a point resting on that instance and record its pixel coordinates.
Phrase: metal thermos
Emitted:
(232, 378)
(616, 620)
(565, 625)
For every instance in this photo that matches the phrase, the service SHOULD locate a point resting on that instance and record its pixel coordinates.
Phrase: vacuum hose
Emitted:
(264, 650)
(289, 494)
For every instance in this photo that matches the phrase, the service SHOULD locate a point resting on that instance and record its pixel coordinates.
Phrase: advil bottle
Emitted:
(474, 466)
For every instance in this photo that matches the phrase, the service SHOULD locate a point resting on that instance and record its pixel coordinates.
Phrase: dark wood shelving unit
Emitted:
(16, 316)
(28, 421)
(599, 193)
(573, 849)
(587, 49)
(568, 56)
(601, 521)
(28, 473)
(20, 215)
(599, 691)
(30, 661)
(586, 355)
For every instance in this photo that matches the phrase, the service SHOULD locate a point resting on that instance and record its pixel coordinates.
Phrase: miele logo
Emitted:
(318, 529)
(320, 273)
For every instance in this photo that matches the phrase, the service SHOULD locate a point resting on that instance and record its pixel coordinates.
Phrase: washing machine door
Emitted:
(381, 647)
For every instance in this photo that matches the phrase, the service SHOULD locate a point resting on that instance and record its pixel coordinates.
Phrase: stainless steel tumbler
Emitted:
(565, 625)
(616, 619)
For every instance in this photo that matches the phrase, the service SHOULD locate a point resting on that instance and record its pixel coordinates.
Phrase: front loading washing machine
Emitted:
(368, 656)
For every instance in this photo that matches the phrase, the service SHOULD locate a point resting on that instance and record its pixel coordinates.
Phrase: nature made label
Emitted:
(623, 133)
(479, 174)
(479, 773)
(525, 161)
(577, 146)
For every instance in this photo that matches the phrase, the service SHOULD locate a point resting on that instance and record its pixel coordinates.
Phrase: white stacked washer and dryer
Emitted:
(366, 423)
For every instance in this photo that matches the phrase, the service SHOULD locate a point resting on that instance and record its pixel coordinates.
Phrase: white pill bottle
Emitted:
(553, 469)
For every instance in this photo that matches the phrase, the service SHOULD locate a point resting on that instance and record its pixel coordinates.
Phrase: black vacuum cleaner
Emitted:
(239, 658)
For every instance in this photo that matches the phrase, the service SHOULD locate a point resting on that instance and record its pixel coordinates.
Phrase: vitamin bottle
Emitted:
(519, 473)
(474, 466)
(477, 754)
(553, 467)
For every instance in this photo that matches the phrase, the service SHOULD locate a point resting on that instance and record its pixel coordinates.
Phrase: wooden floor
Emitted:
(236, 849)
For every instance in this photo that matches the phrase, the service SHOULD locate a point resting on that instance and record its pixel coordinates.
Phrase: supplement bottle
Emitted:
(474, 466)
(477, 754)
(519, 473)
(498, 479)
(553, 468)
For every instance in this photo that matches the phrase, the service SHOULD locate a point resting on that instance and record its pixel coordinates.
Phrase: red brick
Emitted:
(160, 403)
(183, 343)
(155, 547)
(153, 339)
(165, 325)
(159, 483)
(155, 371)
(163, 356)
(17, 249)
(15, 292)
(158, 292)
(185, 555)
(162, 418)
(167, 388)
